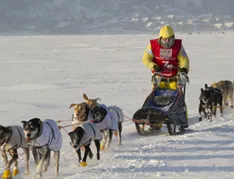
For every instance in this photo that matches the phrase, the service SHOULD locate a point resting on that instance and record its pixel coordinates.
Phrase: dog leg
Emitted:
(16, 170)
(4, 155)
(120, 133)
(109, 138)
(104, 139)
(97, 144)
(231, 99)
(36, 155)
(79, 154)
(215, 109)
(90, 154)
(44, 155)
(26, 154)
(14, 155)
(47, 163)
(200, 109)
(221, 107)
(210, 112)
(83, 163)
(57, 158)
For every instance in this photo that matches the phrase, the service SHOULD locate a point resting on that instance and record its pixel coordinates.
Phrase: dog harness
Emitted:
(17, 139)
(118, 111)
(165, 57)
(114, 118)
(50, 135)
(105, 123)
(91, 133)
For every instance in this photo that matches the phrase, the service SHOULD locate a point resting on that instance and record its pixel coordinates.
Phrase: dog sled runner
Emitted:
(163, 107)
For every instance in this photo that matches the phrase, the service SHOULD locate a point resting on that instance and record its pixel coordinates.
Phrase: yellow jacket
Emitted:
(148, 57)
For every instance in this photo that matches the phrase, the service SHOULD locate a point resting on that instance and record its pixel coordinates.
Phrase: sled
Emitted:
(163, 107)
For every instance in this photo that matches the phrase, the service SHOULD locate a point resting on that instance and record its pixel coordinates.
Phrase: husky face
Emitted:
(205, 95)
(32, 128)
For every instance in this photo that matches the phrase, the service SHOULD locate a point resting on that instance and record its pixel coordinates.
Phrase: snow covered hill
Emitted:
(109, 16)
(40, 76)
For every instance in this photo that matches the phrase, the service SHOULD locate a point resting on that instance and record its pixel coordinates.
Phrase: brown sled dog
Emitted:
(226, 87)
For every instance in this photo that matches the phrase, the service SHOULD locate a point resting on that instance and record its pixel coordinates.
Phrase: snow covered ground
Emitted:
(41, 76)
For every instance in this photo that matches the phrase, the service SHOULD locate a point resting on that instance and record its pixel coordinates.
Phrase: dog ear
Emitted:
(24, 122)
(72, 105)
(206, 86)
(80, 131)
(202, 89)
(83, 105)
(71, 133)
(35, 121)
(97, 99)
(1, 129)
(85, 97)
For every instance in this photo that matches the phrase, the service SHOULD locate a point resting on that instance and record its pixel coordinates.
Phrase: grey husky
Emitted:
(11, 139)
(44, 137)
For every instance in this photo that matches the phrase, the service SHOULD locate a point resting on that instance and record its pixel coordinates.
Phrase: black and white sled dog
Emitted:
(83, 135)
(44, 137)
(98, 116)
(116, 115)
(11, 139)
(210, 98)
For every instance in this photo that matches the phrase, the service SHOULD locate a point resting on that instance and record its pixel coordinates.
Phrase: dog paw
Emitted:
(119, 144)
(39, 176)
(26, 173)
(200, 119)
(45, 168)
(102, 147)
(6, 174)
(83, 164)
(15, 172)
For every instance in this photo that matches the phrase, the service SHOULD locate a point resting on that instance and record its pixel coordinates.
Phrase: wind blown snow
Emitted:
(40, 76)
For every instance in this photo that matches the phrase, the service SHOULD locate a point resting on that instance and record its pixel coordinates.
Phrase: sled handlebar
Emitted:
(181, 76)
(163, 76)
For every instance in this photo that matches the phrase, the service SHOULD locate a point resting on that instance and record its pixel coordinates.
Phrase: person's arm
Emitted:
(148, 57)
(183, 60)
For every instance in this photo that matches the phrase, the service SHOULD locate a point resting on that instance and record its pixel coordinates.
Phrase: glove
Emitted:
(184, 70)
(156, 68)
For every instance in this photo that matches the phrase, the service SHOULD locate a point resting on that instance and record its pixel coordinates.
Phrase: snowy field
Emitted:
(41, 76)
